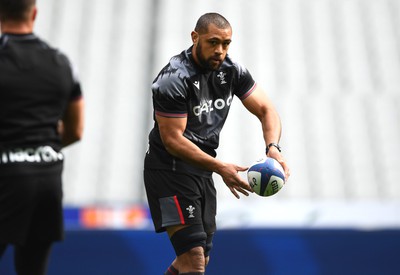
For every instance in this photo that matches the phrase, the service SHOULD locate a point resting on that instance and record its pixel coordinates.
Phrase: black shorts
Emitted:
(176, 198)
(31, 203)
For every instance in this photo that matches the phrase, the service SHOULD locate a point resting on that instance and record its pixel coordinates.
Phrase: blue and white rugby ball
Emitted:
(266, 177)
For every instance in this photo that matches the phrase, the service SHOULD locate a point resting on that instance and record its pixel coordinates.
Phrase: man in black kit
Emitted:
(41, 111)
(191, 98)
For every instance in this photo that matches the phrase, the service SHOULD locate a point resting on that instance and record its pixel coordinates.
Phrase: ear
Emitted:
(195, 37)
(34, 13)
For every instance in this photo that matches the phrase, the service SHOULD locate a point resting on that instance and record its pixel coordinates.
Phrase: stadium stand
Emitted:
(331, 66)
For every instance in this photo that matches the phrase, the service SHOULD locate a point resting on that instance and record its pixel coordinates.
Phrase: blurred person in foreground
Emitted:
(191, 98)
(41, 111)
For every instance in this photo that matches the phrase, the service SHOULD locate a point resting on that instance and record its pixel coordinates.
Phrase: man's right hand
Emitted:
(230, 175)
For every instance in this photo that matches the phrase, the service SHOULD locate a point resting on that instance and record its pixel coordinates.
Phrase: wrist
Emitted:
(273, 144)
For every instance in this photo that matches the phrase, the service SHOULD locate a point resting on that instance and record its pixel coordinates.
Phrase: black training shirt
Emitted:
(183, 89)
(36, 84)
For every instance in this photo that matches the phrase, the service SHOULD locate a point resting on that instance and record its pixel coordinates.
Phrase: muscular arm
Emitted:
(71, 125)
(171, 131)
(260, 105)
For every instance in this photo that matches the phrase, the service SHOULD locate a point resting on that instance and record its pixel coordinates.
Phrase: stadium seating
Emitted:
(331, 67)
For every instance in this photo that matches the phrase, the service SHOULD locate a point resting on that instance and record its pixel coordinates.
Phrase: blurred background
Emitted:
(332, 69)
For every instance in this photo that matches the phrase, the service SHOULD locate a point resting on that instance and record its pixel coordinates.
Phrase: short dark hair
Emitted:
(211, 18)
(15, 9)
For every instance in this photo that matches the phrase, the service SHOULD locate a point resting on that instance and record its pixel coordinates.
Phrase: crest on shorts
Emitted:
(190, 209)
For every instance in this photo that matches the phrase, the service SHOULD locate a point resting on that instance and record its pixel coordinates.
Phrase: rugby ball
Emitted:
(266, 177)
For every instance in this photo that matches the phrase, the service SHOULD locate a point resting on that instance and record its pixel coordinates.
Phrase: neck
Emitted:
(194, 55)
(16, 27)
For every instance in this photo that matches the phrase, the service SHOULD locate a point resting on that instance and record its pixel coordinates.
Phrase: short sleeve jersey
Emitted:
(36, 84)
(183, 89)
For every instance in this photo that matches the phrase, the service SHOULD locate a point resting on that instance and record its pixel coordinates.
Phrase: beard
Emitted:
(207, 63)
